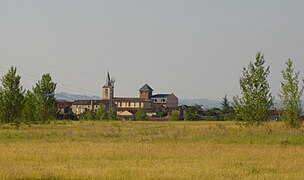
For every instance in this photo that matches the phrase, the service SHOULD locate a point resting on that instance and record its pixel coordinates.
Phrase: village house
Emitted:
(165, 100)
(64, 109)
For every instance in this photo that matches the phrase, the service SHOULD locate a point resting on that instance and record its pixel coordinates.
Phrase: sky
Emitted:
(192, 48)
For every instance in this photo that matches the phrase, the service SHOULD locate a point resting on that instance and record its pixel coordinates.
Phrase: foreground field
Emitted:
(151, 150)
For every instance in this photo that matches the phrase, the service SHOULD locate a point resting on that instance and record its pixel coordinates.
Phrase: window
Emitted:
(106, 92)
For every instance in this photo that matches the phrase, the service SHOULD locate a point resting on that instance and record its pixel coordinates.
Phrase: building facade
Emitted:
(82, 106)
(165, 100)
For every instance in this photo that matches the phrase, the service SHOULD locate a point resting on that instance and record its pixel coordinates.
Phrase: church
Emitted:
(146, 99)
(126, 107)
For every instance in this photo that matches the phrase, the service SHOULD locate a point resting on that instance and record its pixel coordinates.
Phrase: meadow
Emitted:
(151, 150)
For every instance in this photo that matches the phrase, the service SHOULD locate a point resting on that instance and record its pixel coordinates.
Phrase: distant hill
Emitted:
(207, 103)
(73, 97)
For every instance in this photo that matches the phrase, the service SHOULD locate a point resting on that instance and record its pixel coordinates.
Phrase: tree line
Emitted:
(252, 107)
(28, 106)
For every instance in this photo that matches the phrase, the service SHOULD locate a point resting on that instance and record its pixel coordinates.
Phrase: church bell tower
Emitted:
(108, 89)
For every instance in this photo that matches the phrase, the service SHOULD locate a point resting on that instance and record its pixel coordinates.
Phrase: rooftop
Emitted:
(90, 102)
(160, 95)
(127, 99)
(146, 87)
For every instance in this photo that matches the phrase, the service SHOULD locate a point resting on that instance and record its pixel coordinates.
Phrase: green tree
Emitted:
(112, 115)
(174, 117)
(11, 98)
(140, 115)
(29, 111)
(226, 109)
(45, 94)
(256, 100)
(88, 115)
(192, 113)
(102, 113)
(290, 95)
(225, 105)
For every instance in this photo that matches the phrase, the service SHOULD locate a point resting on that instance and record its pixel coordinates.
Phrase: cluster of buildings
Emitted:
(126, 107)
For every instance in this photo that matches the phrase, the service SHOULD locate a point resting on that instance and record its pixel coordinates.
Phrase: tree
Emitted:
(29, 111)
(88, 115)
(214, 114)
(175, 116)
(225, 105)
(254, 106)
(11, 98)
(102, 113)
(192, 113)
(290, 95)
(45, 94)
(112, 115)
(140, 115)
(227, 110)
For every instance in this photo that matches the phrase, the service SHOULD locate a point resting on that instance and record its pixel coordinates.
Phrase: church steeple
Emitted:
(108, 88)
(108, 80)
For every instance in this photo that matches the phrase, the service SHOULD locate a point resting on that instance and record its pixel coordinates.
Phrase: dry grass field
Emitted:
(151, 150)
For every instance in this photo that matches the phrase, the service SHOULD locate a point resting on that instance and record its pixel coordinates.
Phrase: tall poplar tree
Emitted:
(256, 100)
(290, 95)
(11, 98)
(45, 95)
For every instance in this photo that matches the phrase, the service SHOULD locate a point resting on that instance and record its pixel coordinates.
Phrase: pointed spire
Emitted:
(108, 80)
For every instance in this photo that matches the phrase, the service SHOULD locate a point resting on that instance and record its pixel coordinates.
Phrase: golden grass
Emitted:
(151, 150)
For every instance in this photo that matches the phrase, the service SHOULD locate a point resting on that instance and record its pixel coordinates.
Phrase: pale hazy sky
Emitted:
(194, 48)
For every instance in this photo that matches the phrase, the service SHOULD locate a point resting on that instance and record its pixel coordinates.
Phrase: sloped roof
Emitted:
(124, 113)
(146, 87)
(63, 103)
(160, 95)
(128, 99)
(90, 102)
